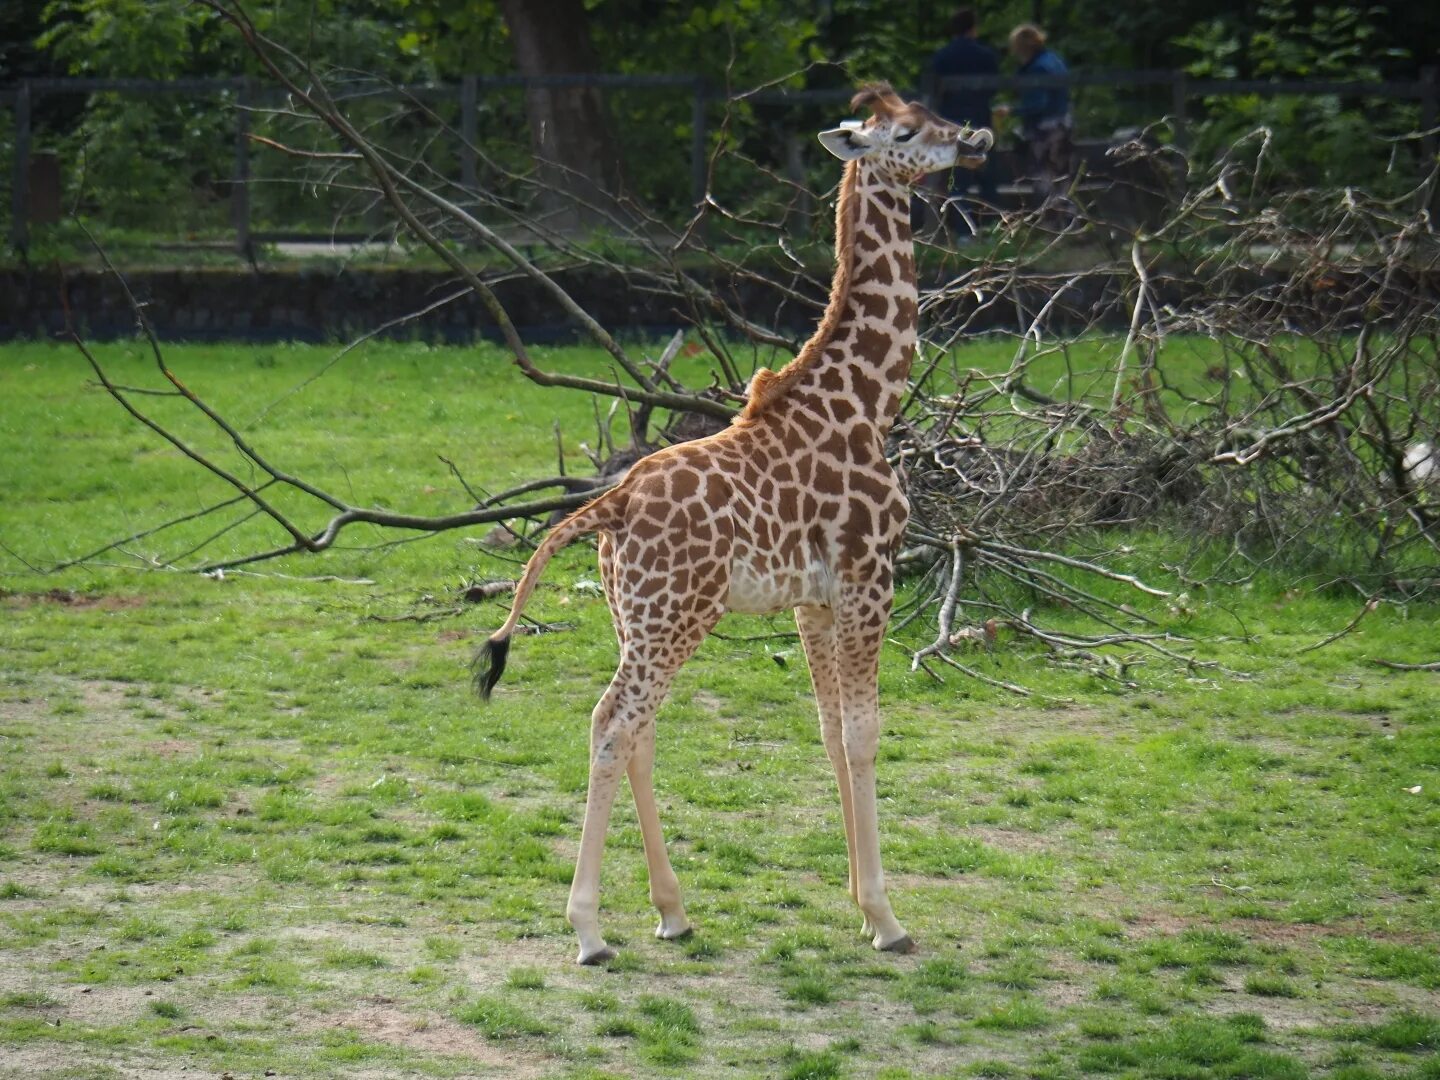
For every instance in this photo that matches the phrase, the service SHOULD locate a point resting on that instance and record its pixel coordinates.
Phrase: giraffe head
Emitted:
(905, 139)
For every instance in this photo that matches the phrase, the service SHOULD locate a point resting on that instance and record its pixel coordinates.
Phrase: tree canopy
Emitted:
(743, 41)
(147, 156)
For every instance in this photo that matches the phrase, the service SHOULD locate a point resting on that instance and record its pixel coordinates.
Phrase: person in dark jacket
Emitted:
(1046, 126)
(964, 54)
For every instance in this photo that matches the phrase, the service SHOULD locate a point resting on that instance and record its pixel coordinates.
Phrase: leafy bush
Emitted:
(1312, 139)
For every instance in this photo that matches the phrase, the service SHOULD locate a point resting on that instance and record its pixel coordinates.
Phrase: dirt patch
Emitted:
(1071, 981)
(115, 1005)
(116, 703)
(28, 1062)
(71, 599)
(488, 960)
(1280, 1014)
(102, 1006)
(112, 698)
(1065, 994)
(1286, 933)
(62, 883)
(712, 703)
(381, 1020)
(330, 782)
(1147, 918)
(1010, 839)
(1159, 924)
(1019, 728)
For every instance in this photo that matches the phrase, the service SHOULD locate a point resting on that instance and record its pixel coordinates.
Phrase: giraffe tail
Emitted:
(489, 662)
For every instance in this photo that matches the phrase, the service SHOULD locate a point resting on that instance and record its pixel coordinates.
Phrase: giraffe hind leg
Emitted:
(664, 886)
(622, 726)
(610, 745)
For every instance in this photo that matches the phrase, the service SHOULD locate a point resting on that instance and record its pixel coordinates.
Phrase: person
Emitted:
(1046, 125)
(964, 54)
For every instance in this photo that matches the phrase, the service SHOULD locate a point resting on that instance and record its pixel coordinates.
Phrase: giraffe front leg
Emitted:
(817, 634)
(664, 886)
(861, 742)
(859, 644)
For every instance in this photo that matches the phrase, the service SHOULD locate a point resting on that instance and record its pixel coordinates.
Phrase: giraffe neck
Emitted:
(862, 350)
(874, 341)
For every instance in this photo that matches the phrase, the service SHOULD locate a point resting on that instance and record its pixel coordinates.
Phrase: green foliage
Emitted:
(136, 38)
(138, 158)
(732, 45)
(1313, 139)
(166, 159)
(164, 162)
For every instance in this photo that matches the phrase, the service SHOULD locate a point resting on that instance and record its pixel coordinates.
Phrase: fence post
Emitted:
(698, 144)
(20, 180)
(1429, 118)
(1179, 108)
(469, 86)
(240, 181)
(799, 218)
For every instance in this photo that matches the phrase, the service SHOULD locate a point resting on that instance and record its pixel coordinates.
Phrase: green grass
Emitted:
(266, 830)
(499, 1018)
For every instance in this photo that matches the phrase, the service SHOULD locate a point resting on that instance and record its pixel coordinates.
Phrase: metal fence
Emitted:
(1178, 95)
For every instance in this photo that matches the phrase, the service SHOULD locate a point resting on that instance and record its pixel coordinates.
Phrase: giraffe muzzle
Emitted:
(972, 146)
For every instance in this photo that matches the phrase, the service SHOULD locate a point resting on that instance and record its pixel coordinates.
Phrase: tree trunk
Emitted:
(576, 156)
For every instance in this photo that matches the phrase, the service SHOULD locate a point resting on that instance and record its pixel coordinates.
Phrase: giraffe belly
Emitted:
(765, 590)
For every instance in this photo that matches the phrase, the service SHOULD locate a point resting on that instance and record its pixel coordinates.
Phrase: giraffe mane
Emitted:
(768, 387)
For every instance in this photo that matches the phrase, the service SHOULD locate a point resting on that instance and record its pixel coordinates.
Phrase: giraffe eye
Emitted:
(905, 137)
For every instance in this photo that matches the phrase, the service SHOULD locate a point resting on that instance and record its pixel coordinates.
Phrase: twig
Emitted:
(1079, 564)
(476, 498)
(951, 588)
(419, 616)
(1142, 299)
(1369, 606)
(312, 578)
(143, 533)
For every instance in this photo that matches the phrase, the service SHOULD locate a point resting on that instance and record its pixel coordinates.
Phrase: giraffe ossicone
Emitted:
(792, 506)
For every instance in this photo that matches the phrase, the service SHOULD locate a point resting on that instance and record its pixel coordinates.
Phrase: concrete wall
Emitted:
(323, 305)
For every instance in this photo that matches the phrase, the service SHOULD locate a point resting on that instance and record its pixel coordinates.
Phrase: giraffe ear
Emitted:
(846, 142)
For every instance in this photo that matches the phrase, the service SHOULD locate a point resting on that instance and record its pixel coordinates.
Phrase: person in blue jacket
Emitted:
(964, 54)
(1046, 125)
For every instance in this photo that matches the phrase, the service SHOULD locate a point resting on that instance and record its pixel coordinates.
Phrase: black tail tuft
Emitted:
(489, 665)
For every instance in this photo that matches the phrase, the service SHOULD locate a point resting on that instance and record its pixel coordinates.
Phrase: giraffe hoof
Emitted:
(602, 955)
(903, 944)
(665, 933)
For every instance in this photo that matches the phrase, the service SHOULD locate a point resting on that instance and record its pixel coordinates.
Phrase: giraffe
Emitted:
(792, 506)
